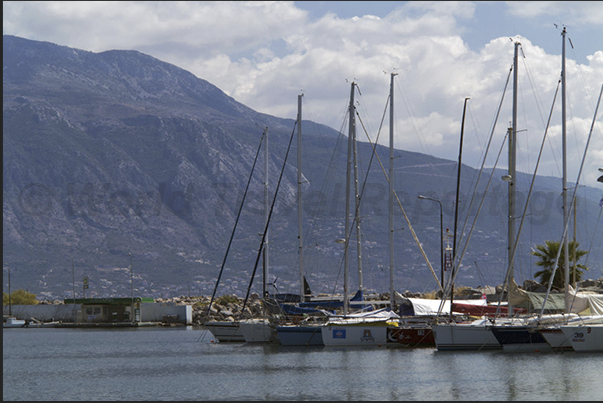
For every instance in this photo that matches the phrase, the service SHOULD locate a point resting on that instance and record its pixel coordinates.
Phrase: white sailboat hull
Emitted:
(369, 334)
(294, 335)
(257, 331)
(225, 331)
(464, 336)
(585, 338)
(556, 339)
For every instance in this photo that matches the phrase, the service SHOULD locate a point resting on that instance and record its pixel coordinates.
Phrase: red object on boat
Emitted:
(485, 310)
(411, 336)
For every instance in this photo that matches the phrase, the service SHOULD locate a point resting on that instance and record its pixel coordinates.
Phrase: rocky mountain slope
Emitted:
(117, 157)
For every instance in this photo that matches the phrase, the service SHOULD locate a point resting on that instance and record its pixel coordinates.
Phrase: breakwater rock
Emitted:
(230, 307)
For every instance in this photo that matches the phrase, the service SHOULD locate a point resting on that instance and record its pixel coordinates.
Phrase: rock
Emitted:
(588, 283)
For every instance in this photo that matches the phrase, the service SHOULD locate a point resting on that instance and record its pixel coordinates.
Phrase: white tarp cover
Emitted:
(384, 313)
(381, 315)
(581, 301)
(431, 307)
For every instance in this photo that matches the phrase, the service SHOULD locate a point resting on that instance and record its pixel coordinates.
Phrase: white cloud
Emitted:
(265, 53)
(577, 14)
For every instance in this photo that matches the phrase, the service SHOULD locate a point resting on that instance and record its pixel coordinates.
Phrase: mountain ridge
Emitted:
(116, 153)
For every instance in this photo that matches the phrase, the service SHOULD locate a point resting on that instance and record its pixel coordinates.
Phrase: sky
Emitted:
(264, 54)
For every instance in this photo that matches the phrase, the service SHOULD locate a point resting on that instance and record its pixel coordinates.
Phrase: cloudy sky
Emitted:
(264, 54)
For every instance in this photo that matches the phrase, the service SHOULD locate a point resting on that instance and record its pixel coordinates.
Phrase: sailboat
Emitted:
(542, 333)
(518, 336)
(584, 337)
(306, 332)
(11, 321)
(261, 330)
(230, 331)
(363, 328)
(476, 335)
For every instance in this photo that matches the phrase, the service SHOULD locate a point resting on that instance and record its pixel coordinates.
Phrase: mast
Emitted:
(512, 173)
(564, 180)
(391, 192)
(357, 208)
(266, 214)
(456, 204)
(299, 199)
(347, 202)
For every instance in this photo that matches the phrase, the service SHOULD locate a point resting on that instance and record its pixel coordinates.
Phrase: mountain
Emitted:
(117, 157)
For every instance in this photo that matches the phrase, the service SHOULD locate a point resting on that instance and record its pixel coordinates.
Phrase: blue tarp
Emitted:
(333, 304)
(296, 310)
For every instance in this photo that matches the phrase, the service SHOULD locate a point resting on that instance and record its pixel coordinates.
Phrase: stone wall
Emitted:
(44, 313)
(149, 312)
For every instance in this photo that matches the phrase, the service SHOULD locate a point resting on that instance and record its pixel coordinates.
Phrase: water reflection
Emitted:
(166, 364)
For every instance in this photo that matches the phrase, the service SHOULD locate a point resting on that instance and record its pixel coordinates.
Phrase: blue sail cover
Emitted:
(296, 310)
(333, 304)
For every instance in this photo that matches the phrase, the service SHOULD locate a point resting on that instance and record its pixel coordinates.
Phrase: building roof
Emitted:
(106, 301)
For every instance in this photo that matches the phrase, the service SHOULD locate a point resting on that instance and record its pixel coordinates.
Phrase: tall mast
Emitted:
(266, 214)
(357, 208)
(512, 172)
(564, 143)
(299, 198)
(456, 205)
(391, 192)
(351, 130)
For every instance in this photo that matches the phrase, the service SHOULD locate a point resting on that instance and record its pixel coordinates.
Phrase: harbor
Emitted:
(183, 364)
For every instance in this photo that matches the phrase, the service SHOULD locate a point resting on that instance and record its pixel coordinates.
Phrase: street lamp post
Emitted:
(441, 237)
(10, 305)
(131, 289)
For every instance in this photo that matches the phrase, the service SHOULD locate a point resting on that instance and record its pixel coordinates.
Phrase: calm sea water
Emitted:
(183, 364)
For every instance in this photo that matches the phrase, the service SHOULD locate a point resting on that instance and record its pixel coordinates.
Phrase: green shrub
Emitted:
(19, 297)
(227, 299)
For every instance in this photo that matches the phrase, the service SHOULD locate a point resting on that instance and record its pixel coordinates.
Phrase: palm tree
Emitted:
(547, 254)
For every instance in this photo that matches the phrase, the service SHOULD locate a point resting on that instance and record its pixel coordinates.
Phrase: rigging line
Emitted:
(360, 196)
(320, 207)
(476, 127)
(268, 222)
(462, 254)
(405, 216)
(523, 216)
(578, 65)
(574, 198)
(533, 88)
(514, 249)
(235, 226)
(357, 204)
(483, 165)
(531, 188)
(330, 178)
(374, 148)
(552, 145)
(413, 120)
(479, 273)
(593, 237)
(571, 206)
